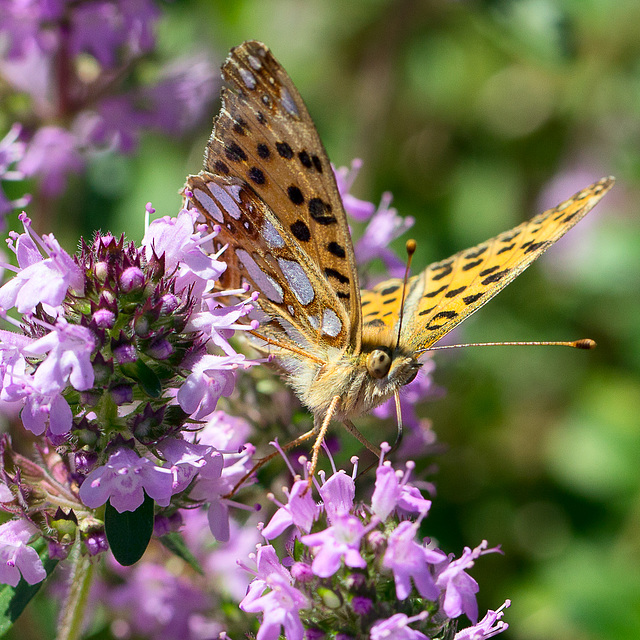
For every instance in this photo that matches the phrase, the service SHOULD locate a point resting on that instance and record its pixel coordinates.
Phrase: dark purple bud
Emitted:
(160, 349)
(314, 634)
(125, 353)
(96, 543)
(132, 279)
(85, 461)
(104, 318)
(301, 572)
(90, 397)
(121, 393)
(361, 605)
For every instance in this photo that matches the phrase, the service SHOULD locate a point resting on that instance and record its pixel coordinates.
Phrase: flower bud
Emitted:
(121, 393)
(132, 279)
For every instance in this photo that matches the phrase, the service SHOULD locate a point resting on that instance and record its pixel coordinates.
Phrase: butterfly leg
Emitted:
(321, 430)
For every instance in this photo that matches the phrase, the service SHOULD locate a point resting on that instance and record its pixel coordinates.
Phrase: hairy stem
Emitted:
(72, 615)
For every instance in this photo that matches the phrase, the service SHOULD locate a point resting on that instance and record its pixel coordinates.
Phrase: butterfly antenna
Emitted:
(584, 343)
(411, 249)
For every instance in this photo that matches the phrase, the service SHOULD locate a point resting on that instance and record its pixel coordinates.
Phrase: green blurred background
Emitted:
(477, 115)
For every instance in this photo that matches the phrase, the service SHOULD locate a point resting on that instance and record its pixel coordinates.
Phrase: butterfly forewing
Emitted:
(265, 137)
(449, 291)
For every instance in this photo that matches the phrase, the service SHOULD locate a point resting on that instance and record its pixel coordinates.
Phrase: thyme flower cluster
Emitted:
(357, 570)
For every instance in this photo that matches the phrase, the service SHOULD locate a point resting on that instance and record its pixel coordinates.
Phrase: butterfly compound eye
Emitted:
(378, 363)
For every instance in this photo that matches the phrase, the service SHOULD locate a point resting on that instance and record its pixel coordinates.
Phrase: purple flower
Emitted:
(220, 322)
(392, 492)
(338, 494)
(124, 480)
(69, 348)
(300, 510)
(41, 412)
(460, 588)
(175, 239)
(186, 460)
(11, 151)
(268, 565)
(408, 559)
(16, 557)
(157, 604)
(385, 225)
(52, 154)
(40, 280)
(341, 540)
(223, 431)
(397, 628)
(358, 209)
(280, 609)
(491, 625)
(211, 378)
(182, 96)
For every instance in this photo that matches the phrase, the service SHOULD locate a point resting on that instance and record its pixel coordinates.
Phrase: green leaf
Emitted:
(13, 600)
(129, 532)
(147, 378)
(176, 544)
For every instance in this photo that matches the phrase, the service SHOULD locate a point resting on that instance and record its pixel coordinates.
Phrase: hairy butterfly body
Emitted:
(270, 187)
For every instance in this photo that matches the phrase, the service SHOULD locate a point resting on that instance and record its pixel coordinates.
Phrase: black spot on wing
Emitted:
(221, 167)
(295, 195)
(486, 272)
(434, 293)
(506, 248)
(454, 292)
(472, 255)
(472, 298)
(263, 151)
(495, 277)
(375, 323)
(285, 150)
(333, 273)
(234, 152)
(301, 231)
(305, 159)
(320, 211)
(336, 249)
(389, 290)
(471, 265)
(257, 175)
(444, 270)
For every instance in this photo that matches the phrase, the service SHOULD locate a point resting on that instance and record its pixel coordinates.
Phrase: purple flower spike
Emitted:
(124, 480)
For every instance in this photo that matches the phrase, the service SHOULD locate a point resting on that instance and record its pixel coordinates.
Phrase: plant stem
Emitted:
(72, 615)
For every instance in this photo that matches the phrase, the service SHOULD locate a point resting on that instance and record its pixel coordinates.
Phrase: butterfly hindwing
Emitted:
(447, 292)
(265, 137)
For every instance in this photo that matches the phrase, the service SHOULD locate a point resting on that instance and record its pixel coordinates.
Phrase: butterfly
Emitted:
(269, 186)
